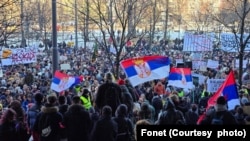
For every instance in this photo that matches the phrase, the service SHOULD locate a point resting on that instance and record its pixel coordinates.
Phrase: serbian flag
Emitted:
(61, 81)
(181, 78)
(146, 68)
(229, 90)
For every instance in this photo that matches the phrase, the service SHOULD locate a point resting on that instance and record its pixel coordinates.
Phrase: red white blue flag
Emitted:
(61, 81)
(229, 90)
(181, 78)
(142, 69)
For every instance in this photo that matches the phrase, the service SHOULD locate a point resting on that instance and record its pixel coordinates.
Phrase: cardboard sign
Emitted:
(214, 84)
(212, 64)
(65, 67)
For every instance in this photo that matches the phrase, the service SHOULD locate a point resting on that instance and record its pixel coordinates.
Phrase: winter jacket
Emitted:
(77, 123)
(49, 116)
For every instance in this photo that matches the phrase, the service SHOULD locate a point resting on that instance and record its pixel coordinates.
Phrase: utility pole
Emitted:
(76, 26)
(22, 28)
(54, 38)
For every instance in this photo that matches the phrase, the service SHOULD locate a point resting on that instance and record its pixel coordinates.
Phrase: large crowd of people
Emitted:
(102, 108)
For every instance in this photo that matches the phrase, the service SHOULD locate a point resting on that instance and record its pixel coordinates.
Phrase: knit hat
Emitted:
(221, 100)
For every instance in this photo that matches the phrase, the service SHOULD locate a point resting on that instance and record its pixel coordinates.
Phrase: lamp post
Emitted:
(54, 38)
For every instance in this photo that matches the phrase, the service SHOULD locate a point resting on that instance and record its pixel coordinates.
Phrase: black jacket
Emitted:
(51, 114)
(104, 129)
(77, 123)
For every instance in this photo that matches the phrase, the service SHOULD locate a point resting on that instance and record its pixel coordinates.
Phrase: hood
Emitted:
(47, 108)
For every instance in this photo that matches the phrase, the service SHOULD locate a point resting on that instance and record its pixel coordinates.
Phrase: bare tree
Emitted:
(84, 19)
(178, 13)
(166, 19)
(111, 16)
(234, 16)
(154, 18)
(201, 17)
(40, 19)
(9, 25)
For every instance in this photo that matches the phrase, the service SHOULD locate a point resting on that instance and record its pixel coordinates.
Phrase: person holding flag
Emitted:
(219, 114)
(218, 105)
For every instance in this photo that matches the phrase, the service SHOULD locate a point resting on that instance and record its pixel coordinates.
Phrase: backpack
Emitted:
(44, 125)
(217, 120)
(112, 97)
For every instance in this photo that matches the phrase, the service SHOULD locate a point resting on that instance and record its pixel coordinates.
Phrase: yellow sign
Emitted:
(6, 53)
(70, 44)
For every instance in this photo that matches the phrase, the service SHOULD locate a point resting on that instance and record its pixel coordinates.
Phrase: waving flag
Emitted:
(229, 90)
(146, 68)
(62, 81)
(181, 78)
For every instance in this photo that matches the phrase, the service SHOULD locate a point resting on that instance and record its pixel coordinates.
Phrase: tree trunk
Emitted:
(166, 21)
(241, 57)
(117, 66)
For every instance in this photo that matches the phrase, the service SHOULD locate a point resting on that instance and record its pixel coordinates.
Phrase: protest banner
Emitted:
(200, 42)
(19, 56)
(214, 84)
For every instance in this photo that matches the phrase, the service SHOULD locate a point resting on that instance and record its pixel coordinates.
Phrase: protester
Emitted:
(21, 121)
(32, 114)
(125, 125)
(48, 121)
(86, 99)
(220, 114)
(77, 121)
(149, 100)
(106, 127)
(8, 126)
(108, 93)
